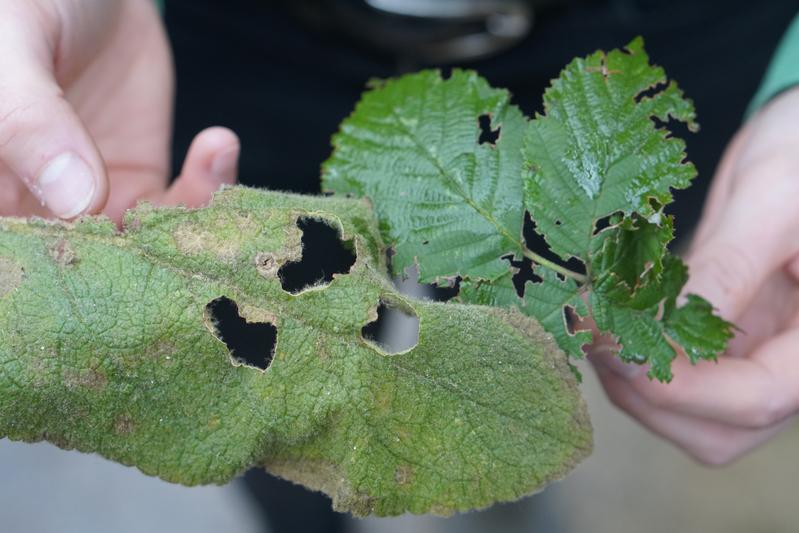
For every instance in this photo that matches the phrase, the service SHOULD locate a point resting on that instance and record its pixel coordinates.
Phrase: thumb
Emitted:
(752, 237)
(42, 140)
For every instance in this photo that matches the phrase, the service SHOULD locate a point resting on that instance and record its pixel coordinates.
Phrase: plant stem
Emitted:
(580, 278)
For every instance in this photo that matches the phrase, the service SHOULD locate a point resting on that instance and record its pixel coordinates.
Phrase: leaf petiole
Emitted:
(580, 278)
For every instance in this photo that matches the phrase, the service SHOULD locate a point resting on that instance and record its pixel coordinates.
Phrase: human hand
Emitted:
(745, 260)
(86, 109)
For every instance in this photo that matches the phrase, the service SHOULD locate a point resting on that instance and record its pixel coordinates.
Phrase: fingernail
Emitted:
(224, 166)
(66, 185)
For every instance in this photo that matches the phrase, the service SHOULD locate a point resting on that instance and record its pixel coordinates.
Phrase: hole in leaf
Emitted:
(654, 204)
(568, 318)
(394, 331)
(250, 343)
(447, 291)
(536, 243)
(487, 135)
(608, 221)
(650, 92)
(523, 275)
(323, 255)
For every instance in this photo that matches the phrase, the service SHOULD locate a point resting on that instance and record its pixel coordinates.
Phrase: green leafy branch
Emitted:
(594, 171)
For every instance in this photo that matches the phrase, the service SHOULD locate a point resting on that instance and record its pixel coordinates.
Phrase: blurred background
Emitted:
(283, 75)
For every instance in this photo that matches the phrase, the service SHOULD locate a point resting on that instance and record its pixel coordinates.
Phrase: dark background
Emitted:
(284, 88)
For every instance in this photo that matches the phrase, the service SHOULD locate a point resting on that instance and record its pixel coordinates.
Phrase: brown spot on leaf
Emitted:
(124, 425)
(62, 253)
(91, 379)
(162, 349)
(266, 264)
(404, 475)
(216, 238)
(11, 275)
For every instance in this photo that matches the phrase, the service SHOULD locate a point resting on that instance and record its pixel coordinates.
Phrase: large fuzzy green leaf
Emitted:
(107, 344)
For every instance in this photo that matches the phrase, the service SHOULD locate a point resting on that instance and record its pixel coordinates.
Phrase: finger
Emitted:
(16, 199)
(729, 266)
(42, 141)
(212, 161)
(708, 441)
(754, 392)
(772, 311)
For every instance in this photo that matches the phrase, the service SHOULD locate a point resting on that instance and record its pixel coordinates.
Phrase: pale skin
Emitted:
(88, 90)
(87, 93)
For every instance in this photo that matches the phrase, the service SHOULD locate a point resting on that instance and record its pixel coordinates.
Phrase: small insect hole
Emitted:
(487, 135)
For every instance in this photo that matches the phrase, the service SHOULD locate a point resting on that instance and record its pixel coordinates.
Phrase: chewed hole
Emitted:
(536, 242)
(323, 255)
(606, 222)
(487, 135)
(394, 330)
(446, 289)
(650, 92)
(249, 343)
(524, 273)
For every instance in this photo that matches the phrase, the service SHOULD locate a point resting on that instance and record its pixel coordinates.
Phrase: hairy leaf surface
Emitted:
(108, 344)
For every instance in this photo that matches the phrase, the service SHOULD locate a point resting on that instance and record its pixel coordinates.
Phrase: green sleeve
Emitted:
(160, 5)
(783, 72)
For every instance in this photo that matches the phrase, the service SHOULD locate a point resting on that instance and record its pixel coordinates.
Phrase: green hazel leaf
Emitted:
(110, 342)
(700, 333)
(548, 301)
(598, 156)
(627, 264)
(596, 151)
(445, 201)
(631, 253)
(650, 327)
